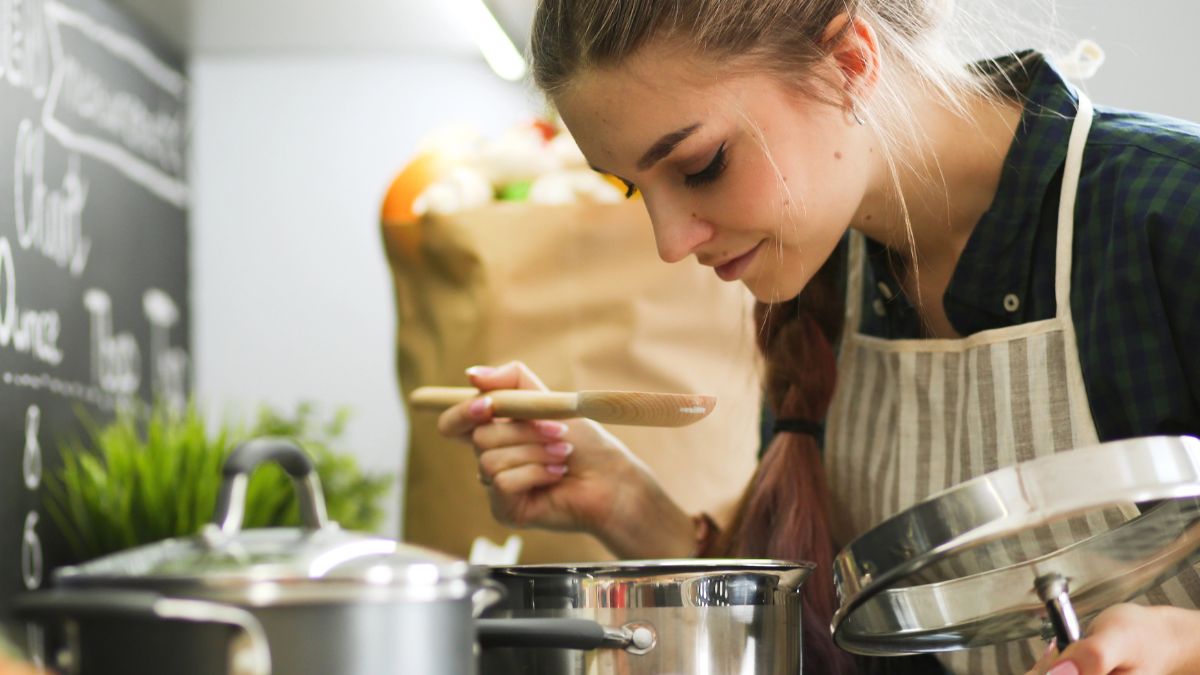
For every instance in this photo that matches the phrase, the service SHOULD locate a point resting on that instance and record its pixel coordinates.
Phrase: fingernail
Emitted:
(1049, 650)
(550, 429)
(479, 407)
(480, 371)
(559, 449)
(557, 469)
(1064, 668)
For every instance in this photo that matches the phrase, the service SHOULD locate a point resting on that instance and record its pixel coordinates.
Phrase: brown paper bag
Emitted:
(579, 294)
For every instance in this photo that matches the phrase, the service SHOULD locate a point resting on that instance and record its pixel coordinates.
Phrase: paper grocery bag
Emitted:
(578, 293)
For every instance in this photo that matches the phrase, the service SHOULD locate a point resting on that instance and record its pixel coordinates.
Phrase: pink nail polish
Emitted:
(479, 407)
(557, 469)
(551, 430)
(559, 449)
(480, 371)
(1064, 668)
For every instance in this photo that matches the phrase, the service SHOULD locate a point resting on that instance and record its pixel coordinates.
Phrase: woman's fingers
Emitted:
(521, 477)
(512, 375)
(460, 420)
(494, 463)
(1043, 663)
(501, 434)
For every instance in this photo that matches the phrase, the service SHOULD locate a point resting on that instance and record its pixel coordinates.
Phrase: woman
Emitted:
(976, 324)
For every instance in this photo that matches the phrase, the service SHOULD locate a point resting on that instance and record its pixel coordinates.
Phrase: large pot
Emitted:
(705, 616)
(290, 601)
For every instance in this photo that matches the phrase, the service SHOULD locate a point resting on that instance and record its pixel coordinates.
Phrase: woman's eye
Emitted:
(709, 173)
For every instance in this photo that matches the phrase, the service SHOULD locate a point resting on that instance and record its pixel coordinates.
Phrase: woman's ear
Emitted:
(853, 47)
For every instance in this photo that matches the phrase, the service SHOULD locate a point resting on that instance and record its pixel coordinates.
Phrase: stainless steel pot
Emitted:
(705, 616)
(294, 601)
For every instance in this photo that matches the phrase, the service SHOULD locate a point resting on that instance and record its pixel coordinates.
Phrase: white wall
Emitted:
(1152, 60)
(291, 157)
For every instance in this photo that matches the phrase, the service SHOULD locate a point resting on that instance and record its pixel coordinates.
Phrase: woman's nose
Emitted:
(678, 231)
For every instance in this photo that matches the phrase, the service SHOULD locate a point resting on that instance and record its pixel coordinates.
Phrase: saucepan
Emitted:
(716, 616)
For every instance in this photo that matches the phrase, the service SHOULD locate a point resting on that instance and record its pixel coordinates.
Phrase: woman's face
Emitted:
(741, 171)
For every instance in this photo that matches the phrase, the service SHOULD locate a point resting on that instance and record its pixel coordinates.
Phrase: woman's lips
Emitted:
(735, 268)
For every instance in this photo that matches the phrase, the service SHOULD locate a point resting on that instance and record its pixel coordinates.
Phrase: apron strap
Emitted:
(1066, 207)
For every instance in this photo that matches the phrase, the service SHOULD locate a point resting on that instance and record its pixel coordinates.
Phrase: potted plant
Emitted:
(154, 474)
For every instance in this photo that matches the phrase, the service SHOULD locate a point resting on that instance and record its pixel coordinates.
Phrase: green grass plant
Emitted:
(151, 475)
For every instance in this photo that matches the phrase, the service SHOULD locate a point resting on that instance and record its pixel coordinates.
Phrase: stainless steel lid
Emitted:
(317, 563)
(982, 562)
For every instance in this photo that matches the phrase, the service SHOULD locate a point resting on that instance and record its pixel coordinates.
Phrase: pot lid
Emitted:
(276, 554)
(319, 561)
(1027, 550)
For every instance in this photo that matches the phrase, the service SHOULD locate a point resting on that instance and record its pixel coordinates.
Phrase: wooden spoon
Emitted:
(611, 407)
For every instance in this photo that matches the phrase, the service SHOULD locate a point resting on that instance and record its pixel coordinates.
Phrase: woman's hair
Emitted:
(784, 511)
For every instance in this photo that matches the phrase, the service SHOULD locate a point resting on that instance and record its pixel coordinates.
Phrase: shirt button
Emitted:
(885, 291)
(1011, 302)
(880, 310)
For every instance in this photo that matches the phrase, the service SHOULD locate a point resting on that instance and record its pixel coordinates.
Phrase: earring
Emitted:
(857, 117)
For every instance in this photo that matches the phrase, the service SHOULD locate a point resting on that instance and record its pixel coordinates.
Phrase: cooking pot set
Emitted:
(321, 600)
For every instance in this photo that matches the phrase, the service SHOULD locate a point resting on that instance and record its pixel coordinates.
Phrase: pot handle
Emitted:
(252, 658)
(245, 458)
(637, 637)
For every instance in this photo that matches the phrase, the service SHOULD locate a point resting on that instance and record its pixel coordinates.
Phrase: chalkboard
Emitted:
(93, 249)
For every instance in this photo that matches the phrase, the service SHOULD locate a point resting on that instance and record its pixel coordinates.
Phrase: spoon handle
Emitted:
(515, 403)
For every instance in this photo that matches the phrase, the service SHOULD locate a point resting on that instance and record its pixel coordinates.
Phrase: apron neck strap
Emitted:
(1066, 206)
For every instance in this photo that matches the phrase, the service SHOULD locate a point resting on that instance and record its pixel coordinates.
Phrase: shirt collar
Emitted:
(995, 266)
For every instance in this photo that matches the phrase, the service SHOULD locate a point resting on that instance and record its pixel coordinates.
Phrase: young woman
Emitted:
(1019, 278)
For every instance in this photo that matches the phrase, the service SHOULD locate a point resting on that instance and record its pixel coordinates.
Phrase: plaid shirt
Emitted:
(1135, 286)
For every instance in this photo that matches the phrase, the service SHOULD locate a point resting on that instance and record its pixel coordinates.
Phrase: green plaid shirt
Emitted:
(1135, 287)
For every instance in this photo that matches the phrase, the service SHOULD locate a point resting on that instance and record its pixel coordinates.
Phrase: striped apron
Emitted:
(910, 418)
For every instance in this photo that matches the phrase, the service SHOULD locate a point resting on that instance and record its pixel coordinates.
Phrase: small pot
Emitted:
(705, 616)
(288, 601)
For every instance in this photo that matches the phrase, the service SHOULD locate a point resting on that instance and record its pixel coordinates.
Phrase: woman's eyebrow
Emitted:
(665, 146)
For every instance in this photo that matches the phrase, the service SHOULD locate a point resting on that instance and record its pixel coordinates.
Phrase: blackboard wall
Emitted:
(93, 249)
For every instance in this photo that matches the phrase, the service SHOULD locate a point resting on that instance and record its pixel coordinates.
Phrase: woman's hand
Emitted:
(1132, 640)
(565, 475)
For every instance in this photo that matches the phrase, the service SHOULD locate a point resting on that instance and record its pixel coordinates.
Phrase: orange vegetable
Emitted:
(397, 212)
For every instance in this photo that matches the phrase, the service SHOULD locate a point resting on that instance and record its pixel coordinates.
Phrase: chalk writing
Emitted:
(116, 359)
(49, 220)
(95, 117)
(24, 56)
(27, 331)
(31, 553)
(168, 365)
(32, 465)
(88, 393)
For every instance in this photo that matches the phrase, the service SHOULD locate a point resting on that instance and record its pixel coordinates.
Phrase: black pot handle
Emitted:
(637, 638)
(246, 457)
(231, 502)
(64, 605)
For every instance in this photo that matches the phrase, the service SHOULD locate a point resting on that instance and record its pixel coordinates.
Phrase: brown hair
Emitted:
(783, 513)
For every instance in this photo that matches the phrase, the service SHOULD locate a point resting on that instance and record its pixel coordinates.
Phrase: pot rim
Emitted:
(664, 566)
